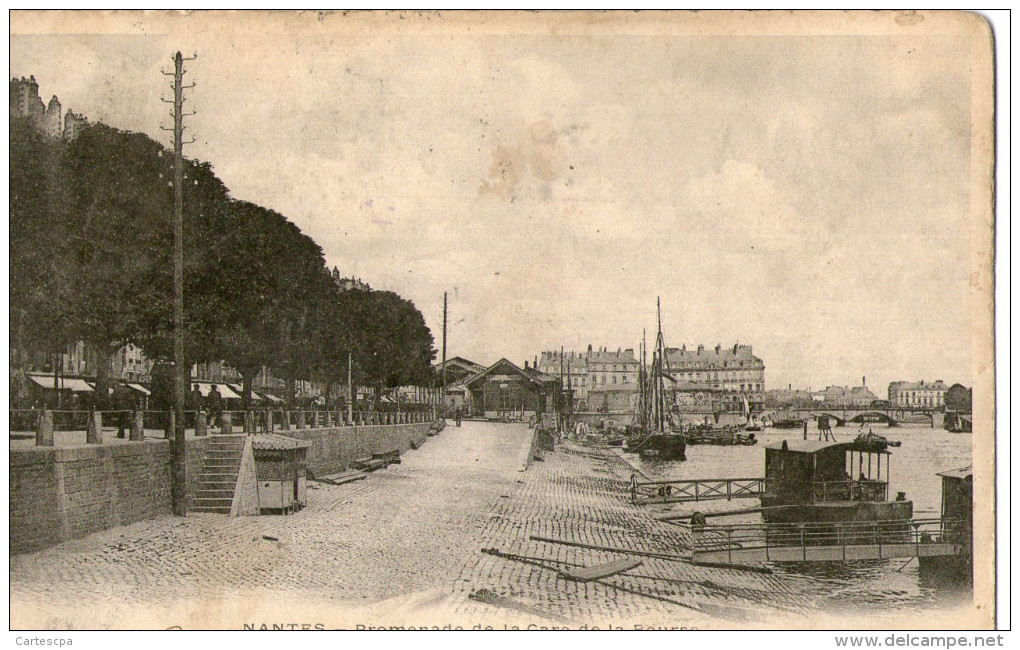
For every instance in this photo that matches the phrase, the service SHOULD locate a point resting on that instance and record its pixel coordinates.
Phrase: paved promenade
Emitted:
(385, 545)
(404, 548)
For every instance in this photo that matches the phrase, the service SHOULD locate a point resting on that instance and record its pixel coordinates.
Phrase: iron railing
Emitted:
(830, 540)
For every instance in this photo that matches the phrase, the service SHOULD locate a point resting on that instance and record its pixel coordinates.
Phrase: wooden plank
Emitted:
(587, 574)
(341, 478)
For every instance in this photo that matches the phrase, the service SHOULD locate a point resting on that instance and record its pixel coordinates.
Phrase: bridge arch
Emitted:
(840, 420)
(874, 416)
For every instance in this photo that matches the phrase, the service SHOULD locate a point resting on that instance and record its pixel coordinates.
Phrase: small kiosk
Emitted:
(281, 468)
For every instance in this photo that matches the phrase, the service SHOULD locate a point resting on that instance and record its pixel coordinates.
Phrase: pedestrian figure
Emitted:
(215, 403)
(457, 415)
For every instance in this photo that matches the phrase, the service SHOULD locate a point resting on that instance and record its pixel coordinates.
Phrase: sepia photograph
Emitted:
(502, 320)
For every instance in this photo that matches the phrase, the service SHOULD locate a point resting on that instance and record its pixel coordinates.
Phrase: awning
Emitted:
(63, 383)
(272, 398)
(141, 389)
(239, 390)
(224, 391)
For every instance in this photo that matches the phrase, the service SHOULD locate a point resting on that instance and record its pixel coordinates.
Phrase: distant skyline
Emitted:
(807, 195)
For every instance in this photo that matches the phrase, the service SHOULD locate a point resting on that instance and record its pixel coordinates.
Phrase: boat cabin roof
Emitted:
(804, 446)
(961, 473)
(816, 446)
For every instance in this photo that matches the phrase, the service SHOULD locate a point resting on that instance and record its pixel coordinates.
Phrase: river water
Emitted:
(868, 586)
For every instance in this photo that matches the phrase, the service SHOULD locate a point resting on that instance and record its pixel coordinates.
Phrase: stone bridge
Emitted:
(862, 415)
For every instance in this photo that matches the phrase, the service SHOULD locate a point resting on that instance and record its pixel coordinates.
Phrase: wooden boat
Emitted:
(735, 435)
(788, 424)
(657, 435)
(814, 482)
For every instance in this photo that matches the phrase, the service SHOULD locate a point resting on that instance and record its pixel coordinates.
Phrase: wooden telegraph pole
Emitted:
(443, 396)
(178, 487)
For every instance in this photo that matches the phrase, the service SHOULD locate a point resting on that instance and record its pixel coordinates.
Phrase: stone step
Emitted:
(214, 509)
(225, 494)
(213, 465)
(211, 501)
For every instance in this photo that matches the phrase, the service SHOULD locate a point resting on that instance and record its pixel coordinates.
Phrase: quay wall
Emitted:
(63, 493)
(335, 448)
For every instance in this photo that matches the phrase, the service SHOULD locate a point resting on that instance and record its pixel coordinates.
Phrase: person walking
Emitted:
(214, 404)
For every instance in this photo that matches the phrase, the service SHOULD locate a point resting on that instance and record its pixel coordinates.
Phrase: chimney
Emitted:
(718, 347)
(734, 348)
(864, 381)
(525, 364)
(535, 365)
(790, 387)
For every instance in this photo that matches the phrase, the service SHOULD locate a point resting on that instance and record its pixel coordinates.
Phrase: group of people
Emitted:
(212, 403)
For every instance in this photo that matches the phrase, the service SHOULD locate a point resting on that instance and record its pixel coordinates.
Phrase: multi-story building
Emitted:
(572, 366)
(735, 372)
(601, 379)
(348, 284)
(845, 396)
(918, 393)
(26, 103)
(788, 397)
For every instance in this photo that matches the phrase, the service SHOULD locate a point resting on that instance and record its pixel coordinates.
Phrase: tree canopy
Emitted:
(90, 260)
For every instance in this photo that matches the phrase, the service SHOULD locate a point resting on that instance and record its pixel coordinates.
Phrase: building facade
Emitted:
(600, 379)
(845, 396)
(734, 372)
(25, 102)
(506, 391)
(918, 394)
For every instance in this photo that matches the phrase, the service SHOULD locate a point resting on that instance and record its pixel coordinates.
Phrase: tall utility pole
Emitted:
(350, 391)
(444, 355)
(178, 489)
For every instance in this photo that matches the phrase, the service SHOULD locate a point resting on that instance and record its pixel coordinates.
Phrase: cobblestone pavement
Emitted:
(582, 495)
(398, 535)
(404, 547)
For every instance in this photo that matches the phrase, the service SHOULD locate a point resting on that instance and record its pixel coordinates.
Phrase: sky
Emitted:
(807, 195)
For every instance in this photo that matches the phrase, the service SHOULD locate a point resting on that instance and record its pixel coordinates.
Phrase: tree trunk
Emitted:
(104, 356)
(247, 378)
(329, 394)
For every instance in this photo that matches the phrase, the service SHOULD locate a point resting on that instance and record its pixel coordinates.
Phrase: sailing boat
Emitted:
(752, 422)
(660, 438)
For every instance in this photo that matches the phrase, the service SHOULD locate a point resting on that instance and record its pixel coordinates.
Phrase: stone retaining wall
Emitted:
(334, 449)
(62, 493)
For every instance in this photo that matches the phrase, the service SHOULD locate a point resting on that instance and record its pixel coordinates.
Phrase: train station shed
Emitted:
(506, 391)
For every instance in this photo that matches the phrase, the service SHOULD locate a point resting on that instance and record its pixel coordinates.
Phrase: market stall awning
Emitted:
(225, 391)
(272, 398)
(141, 389)
(63, 383)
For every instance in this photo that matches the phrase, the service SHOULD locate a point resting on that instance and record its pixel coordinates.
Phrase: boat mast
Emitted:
(660, 398)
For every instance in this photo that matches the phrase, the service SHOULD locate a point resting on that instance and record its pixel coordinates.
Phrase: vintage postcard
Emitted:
(501, 320)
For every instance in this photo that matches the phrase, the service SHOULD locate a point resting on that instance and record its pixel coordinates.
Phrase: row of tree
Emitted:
(90, 260)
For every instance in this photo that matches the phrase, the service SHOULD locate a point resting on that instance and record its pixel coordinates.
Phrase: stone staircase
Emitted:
(215, 489)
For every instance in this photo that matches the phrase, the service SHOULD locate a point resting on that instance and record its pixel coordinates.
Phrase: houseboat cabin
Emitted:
(825, 481)
(957, 527)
